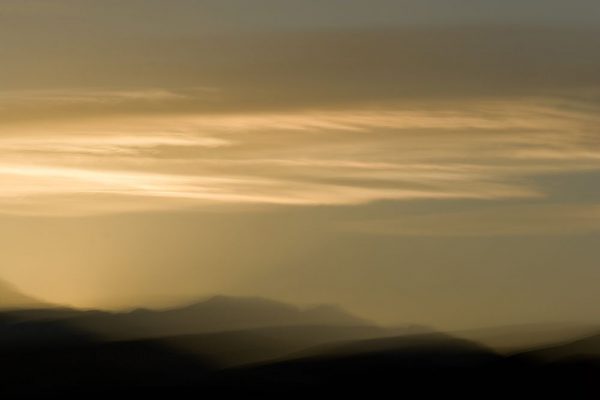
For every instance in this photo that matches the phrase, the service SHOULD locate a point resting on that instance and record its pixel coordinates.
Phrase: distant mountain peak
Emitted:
(237, 300)
(278, 311)
(223, 313)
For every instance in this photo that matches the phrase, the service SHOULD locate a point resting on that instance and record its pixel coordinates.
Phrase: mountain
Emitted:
(427, 347)
(227, 331)
(220, 313)
(11, 298)
(585, 348)
(227, 313)
(518, 338)
(407, 366)
(431, 365)
(250, 346)
(231, 348)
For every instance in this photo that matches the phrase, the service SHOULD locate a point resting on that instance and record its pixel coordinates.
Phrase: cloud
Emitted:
(103, 145)
(291, 68)
(41, 185)
(473, 149)
(71, 97)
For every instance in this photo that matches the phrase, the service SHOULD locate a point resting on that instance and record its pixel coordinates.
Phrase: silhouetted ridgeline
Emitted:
(11, 298)
(256, 346)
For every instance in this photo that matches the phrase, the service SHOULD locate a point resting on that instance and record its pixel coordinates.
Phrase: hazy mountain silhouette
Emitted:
(584, 348)
(54, 355)
(241, 346)
(11, 298)
(216, 314)
(228, 330)
(279, 333)
(518, 338)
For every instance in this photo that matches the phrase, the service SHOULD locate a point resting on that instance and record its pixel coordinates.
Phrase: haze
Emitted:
(429, 162)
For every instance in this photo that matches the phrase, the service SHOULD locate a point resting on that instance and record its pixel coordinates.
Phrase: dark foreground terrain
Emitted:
(322, 352)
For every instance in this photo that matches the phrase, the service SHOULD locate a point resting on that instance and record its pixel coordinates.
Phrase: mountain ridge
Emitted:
(12, 298)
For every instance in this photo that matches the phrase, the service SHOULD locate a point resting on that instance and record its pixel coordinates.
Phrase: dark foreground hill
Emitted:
(411, 366)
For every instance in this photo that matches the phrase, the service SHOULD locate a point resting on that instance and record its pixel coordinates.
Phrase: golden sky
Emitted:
(415, 161)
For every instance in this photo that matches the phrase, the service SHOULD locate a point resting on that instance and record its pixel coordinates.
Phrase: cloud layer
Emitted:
(483, 149)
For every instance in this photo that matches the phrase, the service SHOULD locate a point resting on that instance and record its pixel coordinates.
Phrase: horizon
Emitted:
(164, 304)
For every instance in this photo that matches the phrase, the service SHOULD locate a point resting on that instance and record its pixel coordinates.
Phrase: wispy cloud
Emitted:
(99, 145)
(468, 150)
(73, 96)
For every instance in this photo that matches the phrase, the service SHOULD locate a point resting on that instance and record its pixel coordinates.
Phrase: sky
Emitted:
(430, 162)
